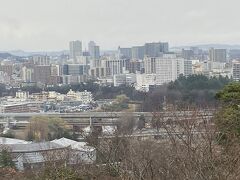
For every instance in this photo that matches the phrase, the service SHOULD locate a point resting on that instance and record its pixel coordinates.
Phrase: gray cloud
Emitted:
(50, 24)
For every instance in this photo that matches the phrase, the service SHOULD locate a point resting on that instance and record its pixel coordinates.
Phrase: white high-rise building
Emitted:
(167, 68)
(75, 49)
(236, 70)
(27, 74)
(113, 66)
(41, 60)
(188, 67)
(150, 65)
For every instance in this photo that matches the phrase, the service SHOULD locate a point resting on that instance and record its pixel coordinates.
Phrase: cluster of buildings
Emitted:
(50, 101)
(140, 66)
(32, 155)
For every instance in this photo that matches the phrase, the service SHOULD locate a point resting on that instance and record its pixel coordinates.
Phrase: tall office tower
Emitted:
(150, 65)
(155, 49)
(74, 73)
(125, 53)
(187, 54)
(7, 69)
(113, 66)
(75, 69)
(164, 47)
(42, 74)
(41, 60)
(236, 70)
(151, 49)
(91, 45)
(218, 55)
(55, 70)
(168, 68)
(136, 65)
(94, 50)
(138, 52)
(27, 74)
(188, 67)
(5, 78)
(75, 49)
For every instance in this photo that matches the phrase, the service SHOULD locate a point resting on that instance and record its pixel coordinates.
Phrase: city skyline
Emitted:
(40, 26)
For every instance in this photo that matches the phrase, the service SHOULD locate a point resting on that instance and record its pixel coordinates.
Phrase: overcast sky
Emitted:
(34, 25)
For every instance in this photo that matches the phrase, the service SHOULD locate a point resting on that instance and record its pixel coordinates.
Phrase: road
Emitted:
(103, 118)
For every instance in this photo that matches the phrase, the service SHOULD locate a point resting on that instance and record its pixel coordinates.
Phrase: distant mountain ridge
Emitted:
(21, 53)
(5, 55)
(207, 46)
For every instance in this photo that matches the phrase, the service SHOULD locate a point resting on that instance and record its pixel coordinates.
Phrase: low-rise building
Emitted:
(29, 155)
(124, 79)
(85, 97)
(22, 94)
(19, 107)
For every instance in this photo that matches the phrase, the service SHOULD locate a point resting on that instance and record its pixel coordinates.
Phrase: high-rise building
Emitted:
(236, 70)
(155, 49)
(188, 67)
(75, 69)
(74, 73)
(218, 55)
(98, 72)
(187, 54)
(75, 49)
(41, 60)
(91, 45)
(94, 50)
(55, 70)
(5, 78)
(164, 47)
(42, 74)
(7, 69)
(136, 65)
(152, 49)
(138, 52)
(113, 66)
(150, 65)
(125, 53)
(27, 74)
(76, 79)
(168, 68)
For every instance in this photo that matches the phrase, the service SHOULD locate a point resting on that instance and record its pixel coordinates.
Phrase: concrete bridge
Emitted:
(102, 118)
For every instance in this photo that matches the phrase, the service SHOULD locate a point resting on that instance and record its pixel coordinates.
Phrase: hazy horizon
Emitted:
(50, 25)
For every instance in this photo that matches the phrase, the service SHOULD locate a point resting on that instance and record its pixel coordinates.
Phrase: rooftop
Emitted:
(7, 141)
(33, 147)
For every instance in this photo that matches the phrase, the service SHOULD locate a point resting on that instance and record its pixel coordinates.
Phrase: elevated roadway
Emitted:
(103, 118)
